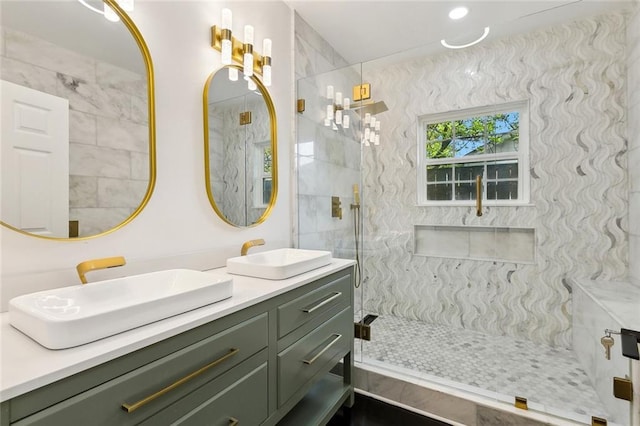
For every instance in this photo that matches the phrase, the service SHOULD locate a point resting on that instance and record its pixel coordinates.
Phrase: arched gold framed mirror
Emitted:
(78, 120)
(240, 142)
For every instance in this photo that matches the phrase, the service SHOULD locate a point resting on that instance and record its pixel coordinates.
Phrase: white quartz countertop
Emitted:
(26, 365)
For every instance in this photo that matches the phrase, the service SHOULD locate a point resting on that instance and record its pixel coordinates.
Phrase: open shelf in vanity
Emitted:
(267, 362)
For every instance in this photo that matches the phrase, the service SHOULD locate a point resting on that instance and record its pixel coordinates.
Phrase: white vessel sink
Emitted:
(71, 316)
(278, 264)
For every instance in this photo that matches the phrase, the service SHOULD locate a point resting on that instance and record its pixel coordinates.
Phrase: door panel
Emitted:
(35, 161)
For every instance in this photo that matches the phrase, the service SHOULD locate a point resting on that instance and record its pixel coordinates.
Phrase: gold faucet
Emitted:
(92, 265)
(251, 243)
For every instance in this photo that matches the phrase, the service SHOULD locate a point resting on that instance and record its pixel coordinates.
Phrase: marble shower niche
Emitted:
(487, 243)
(576, 221)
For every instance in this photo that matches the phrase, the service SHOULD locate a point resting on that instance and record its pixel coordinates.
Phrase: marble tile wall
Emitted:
(216, 157)
(633, 93)
(235, 150)
(579, 180)
(108, 131)
(597, 306)
(328, 161)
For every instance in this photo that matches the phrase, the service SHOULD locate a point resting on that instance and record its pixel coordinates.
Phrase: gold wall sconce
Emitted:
(242, 52)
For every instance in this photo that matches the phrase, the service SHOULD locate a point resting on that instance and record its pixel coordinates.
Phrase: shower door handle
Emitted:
(479, 195)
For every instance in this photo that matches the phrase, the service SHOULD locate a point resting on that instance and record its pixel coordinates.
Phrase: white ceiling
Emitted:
(69, 24)
(361, 30)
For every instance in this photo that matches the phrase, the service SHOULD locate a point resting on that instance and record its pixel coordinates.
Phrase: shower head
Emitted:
(370, 107)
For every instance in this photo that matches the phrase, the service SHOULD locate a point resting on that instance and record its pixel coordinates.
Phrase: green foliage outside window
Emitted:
(473, 136)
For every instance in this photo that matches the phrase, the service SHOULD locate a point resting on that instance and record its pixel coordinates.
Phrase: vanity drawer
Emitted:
(301, 361)
(243, 403)
(151, 388)
(320, 303)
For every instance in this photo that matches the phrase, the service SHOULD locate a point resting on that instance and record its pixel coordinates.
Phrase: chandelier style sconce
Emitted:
(337, 110)
(242, 53)
(371, 132)
(107, 11)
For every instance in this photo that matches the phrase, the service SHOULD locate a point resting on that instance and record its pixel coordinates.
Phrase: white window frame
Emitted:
(259, 174)
(522, 155)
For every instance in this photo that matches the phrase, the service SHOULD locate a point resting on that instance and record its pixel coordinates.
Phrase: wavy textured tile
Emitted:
(574, 78)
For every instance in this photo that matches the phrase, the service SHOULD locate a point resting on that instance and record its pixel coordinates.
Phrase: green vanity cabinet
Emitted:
(266, 364)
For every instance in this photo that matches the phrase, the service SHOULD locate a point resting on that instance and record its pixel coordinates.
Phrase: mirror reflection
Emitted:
(240, 148)
(77, 148)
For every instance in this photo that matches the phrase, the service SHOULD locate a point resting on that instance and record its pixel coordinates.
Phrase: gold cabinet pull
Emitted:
(478, 195)
(331, 343)
(233, 421)
(324, 302)
(129, 408)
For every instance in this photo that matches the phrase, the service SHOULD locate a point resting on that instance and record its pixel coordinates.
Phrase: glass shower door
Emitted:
(328, 169)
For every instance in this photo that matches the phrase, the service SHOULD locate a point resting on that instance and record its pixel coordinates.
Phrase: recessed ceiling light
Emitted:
(462, 46)
(458, 13)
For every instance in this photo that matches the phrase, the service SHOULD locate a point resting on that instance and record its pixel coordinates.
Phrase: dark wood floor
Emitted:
(371, 412)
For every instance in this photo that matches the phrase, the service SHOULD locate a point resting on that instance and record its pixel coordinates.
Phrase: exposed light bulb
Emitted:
(266, 61)
(329, 92)
(247, 64)
(339, 98)
(226, 43)
(339, 117)
(226, 52)
(226, 19)
(329, 115)
(233, 74)
(266, 75)
(367, 118)
(345, 121)
(248, 34)
(251, 84)
(346, 103)
(266, 47)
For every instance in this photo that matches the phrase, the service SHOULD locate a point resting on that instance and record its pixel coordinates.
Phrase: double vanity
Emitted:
(262, 354)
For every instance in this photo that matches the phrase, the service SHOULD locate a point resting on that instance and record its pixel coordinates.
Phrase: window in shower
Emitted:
(456, 147)
(263, 179)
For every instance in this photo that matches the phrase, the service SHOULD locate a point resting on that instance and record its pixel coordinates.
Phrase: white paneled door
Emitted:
(35, 161)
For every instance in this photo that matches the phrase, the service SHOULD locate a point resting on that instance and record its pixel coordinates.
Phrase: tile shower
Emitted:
(499, 328)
